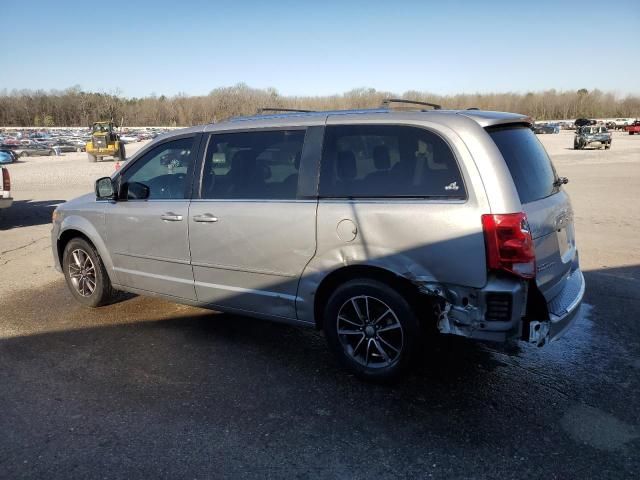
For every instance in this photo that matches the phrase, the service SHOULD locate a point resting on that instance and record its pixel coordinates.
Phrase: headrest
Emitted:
(346, 167)
(242, 163)
(381, 157)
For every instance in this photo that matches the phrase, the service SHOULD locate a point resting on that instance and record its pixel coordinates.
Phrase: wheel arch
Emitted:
(343, 274)
(78, 229)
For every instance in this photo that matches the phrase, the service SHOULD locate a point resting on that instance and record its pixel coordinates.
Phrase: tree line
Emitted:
(75, 107)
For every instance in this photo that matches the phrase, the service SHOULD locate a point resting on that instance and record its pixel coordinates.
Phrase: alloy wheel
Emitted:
(82, 272)
(370, 332)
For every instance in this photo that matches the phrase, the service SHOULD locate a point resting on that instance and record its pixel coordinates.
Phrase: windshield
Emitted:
(530, 167)
(100, 128)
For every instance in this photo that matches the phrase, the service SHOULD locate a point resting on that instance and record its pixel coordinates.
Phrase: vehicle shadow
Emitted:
(26, 213)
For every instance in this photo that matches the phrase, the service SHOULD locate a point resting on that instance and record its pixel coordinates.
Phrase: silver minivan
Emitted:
(378, 226)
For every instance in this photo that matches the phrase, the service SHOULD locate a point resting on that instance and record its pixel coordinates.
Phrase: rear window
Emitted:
(528, 162)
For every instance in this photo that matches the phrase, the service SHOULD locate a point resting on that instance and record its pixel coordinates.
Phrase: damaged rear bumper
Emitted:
(467, 312)
(563, 310)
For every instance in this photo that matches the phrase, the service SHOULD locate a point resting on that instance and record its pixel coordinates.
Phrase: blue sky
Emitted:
(321, 47)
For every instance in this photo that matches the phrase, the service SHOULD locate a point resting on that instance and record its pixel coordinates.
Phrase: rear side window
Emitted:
(374, 161)
(528, 162)
(253, 165)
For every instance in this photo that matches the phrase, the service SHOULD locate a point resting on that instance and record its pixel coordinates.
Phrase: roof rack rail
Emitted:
(389, 101)
(278, 109)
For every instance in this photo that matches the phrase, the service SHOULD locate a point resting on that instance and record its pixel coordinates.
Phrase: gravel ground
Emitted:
(39, 184)
(146, 388)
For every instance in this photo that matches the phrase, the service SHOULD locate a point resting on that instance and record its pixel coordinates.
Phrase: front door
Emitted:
(147, 228)
(250, 235)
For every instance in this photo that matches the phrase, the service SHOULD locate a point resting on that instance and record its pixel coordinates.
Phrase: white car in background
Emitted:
(128, 139)
(5, 189)
(620, 122)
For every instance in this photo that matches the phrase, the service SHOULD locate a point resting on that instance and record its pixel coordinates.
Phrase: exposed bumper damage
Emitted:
(563, 311)
(465, 311)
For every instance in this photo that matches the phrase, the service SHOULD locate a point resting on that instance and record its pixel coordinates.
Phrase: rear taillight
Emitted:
(509, 244)
(6, 180)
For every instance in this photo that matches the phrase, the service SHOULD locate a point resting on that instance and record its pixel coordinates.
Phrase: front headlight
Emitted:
(55, 216)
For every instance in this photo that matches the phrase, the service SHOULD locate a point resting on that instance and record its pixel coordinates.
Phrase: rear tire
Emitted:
(86, 275)
(372, 329)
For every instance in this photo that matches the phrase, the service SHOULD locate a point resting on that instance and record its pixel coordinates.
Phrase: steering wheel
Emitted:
(168, 186)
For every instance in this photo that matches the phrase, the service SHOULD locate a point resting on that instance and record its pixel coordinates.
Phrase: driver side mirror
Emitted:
(105, 189)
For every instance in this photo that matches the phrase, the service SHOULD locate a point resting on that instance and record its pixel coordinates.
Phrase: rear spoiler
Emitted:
(494, 119)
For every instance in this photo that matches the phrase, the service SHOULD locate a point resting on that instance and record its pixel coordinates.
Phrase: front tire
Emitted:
(86, 275)
(371, 328)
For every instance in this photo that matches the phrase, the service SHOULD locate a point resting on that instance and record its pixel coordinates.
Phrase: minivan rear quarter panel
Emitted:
(423, 240)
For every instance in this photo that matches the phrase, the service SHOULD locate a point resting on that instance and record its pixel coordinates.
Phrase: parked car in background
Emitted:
(581, 122)
(6, 157)
(11, 153)
(79, 143)
(540, 128)
(128, 138)
(590, 135)
(65, 146)
(377, 226)
(5, 189)
(633, 128)
(621, 123)
(34, 150)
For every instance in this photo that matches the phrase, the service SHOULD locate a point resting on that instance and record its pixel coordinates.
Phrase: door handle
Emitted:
(206, 218)
(171, 217)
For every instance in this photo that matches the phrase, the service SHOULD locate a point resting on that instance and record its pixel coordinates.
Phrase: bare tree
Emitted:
(75, 107)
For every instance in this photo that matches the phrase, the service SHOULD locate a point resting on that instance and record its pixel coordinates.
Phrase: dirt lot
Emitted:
(148, 388)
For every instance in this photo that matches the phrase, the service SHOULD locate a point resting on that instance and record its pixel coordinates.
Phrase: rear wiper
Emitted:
(560, 181)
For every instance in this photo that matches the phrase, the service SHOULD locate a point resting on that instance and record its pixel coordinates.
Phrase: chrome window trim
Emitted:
(252, 200)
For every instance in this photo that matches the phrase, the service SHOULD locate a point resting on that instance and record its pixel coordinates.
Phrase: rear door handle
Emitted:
(206, 218)
(171, 217)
